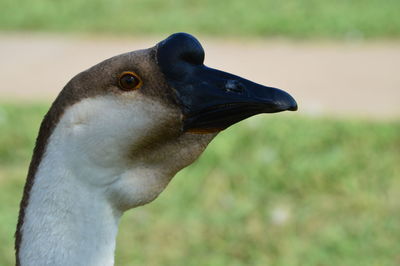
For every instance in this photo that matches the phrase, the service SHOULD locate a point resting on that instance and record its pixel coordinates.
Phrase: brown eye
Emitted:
(129, 81)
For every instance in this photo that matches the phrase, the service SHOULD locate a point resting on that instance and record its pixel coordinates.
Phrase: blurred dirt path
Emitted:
(356, 79)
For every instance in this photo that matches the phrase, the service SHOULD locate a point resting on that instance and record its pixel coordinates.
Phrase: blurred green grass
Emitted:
(291, 18)
(273, 190)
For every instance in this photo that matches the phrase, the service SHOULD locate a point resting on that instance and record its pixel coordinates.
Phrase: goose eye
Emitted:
(129, 81)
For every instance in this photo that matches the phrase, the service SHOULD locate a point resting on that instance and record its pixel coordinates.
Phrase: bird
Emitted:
(113, 139)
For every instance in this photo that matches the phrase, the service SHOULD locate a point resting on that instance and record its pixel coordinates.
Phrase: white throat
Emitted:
(96, 165)
(66, 221)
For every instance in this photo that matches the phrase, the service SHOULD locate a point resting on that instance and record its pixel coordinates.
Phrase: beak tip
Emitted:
(287, 100)
(294, 107)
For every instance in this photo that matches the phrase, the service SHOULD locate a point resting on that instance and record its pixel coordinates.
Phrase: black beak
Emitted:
(212, 100)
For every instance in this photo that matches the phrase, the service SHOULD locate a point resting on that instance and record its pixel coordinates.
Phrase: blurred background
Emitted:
(316, 187)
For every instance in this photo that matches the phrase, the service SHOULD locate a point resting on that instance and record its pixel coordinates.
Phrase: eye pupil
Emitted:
(129, 81)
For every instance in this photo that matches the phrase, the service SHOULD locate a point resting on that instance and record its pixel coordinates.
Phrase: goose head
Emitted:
(129, 124)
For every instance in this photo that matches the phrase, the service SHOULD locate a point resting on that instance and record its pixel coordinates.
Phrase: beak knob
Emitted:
(178, 51)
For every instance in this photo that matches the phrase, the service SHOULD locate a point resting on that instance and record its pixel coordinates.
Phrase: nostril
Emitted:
(234, 86)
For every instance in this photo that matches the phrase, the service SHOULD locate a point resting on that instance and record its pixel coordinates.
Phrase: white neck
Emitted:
(66, 222)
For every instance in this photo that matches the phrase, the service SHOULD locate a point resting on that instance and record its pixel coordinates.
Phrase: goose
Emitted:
(113, 139)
